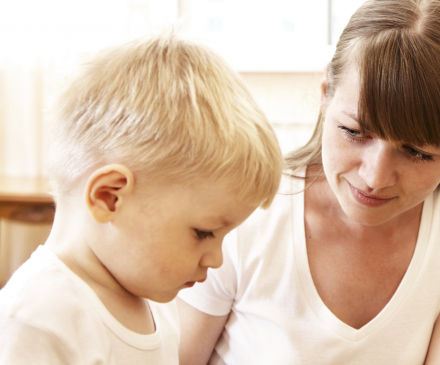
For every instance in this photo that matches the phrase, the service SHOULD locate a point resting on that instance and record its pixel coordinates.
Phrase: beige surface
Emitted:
(26, 199)
(23, 200)
(17, 242)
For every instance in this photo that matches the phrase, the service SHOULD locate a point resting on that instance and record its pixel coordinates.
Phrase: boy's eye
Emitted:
(201, 235)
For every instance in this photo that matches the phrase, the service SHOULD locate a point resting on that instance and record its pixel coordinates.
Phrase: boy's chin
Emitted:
(163, 297)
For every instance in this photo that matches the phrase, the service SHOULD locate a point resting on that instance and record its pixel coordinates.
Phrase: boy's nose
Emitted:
(213, 257)
(378, 167)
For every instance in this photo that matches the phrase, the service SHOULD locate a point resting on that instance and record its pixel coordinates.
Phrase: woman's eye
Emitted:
(201, 235)
(414, 152)
(417, 156)
(350, 132)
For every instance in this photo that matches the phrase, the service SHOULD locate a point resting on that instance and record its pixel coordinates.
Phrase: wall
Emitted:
(291, 102)
(17, 242)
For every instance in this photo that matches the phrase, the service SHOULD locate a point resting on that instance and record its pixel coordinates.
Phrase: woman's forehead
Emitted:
(384, 109)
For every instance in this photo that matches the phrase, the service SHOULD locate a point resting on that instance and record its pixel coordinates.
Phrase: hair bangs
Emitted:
(399, 93)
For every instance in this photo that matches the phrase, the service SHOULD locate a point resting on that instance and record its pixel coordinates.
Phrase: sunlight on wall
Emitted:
(41, 29)
(42, 41)
(280, 35)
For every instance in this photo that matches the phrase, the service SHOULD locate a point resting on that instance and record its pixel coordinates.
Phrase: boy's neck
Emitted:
(70, 243)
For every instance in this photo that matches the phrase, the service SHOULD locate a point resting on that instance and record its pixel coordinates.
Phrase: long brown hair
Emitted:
(395, 45)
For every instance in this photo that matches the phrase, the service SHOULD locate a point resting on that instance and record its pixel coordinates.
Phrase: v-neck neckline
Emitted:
(314, 300)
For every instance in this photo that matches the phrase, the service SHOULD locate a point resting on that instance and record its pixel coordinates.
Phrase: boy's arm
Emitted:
(433, 357)
(199, 334)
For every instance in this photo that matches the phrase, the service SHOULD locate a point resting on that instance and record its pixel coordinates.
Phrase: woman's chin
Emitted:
(366, 216)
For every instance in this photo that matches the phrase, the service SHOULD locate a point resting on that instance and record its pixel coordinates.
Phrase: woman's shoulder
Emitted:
(279, 216)
(293, 180)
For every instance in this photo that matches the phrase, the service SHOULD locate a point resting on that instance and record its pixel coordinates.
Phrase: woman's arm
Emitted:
(199, 333)
(433, 357)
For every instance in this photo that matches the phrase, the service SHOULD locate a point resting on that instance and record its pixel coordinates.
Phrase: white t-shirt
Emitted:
(48, 315)
(276, 314)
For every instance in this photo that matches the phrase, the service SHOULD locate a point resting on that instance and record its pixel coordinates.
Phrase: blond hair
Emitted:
(395, 46)
(169, 108)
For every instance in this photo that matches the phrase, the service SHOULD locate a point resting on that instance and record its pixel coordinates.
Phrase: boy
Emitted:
(158, 152)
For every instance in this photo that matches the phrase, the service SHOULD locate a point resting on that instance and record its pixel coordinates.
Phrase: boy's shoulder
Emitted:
(42, 286)
(42, 300)
(46, 308)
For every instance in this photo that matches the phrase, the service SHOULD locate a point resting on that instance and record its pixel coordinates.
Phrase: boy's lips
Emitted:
(189, 284)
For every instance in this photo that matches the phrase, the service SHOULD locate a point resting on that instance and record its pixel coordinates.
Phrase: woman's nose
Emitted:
(378, 167)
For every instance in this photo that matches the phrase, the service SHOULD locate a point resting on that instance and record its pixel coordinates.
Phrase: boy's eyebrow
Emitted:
(219, 219)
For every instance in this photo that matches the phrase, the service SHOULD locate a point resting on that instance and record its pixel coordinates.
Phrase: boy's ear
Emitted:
(105, 191)
(324, 89)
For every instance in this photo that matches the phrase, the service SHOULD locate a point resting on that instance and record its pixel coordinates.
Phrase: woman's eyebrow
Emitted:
(351, 115)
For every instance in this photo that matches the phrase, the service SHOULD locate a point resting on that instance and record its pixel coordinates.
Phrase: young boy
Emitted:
(159, 151)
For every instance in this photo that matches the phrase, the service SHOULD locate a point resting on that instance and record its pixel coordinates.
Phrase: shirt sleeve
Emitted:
(22, 343)
(216, 295)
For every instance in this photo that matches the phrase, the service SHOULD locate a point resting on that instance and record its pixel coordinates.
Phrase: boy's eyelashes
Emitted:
(201, 235)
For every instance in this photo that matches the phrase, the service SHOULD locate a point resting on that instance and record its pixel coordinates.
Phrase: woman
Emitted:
(347, 271)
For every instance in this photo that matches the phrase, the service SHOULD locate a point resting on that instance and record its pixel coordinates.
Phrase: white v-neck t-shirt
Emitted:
(48, 315)
(276, 314)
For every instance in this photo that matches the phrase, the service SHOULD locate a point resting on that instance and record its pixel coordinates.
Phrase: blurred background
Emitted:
(280, 48)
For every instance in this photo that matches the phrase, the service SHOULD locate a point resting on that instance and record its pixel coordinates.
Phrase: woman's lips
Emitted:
(368, 199)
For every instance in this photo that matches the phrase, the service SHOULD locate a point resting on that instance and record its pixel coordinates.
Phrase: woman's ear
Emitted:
(105, 191)
(324, 90)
